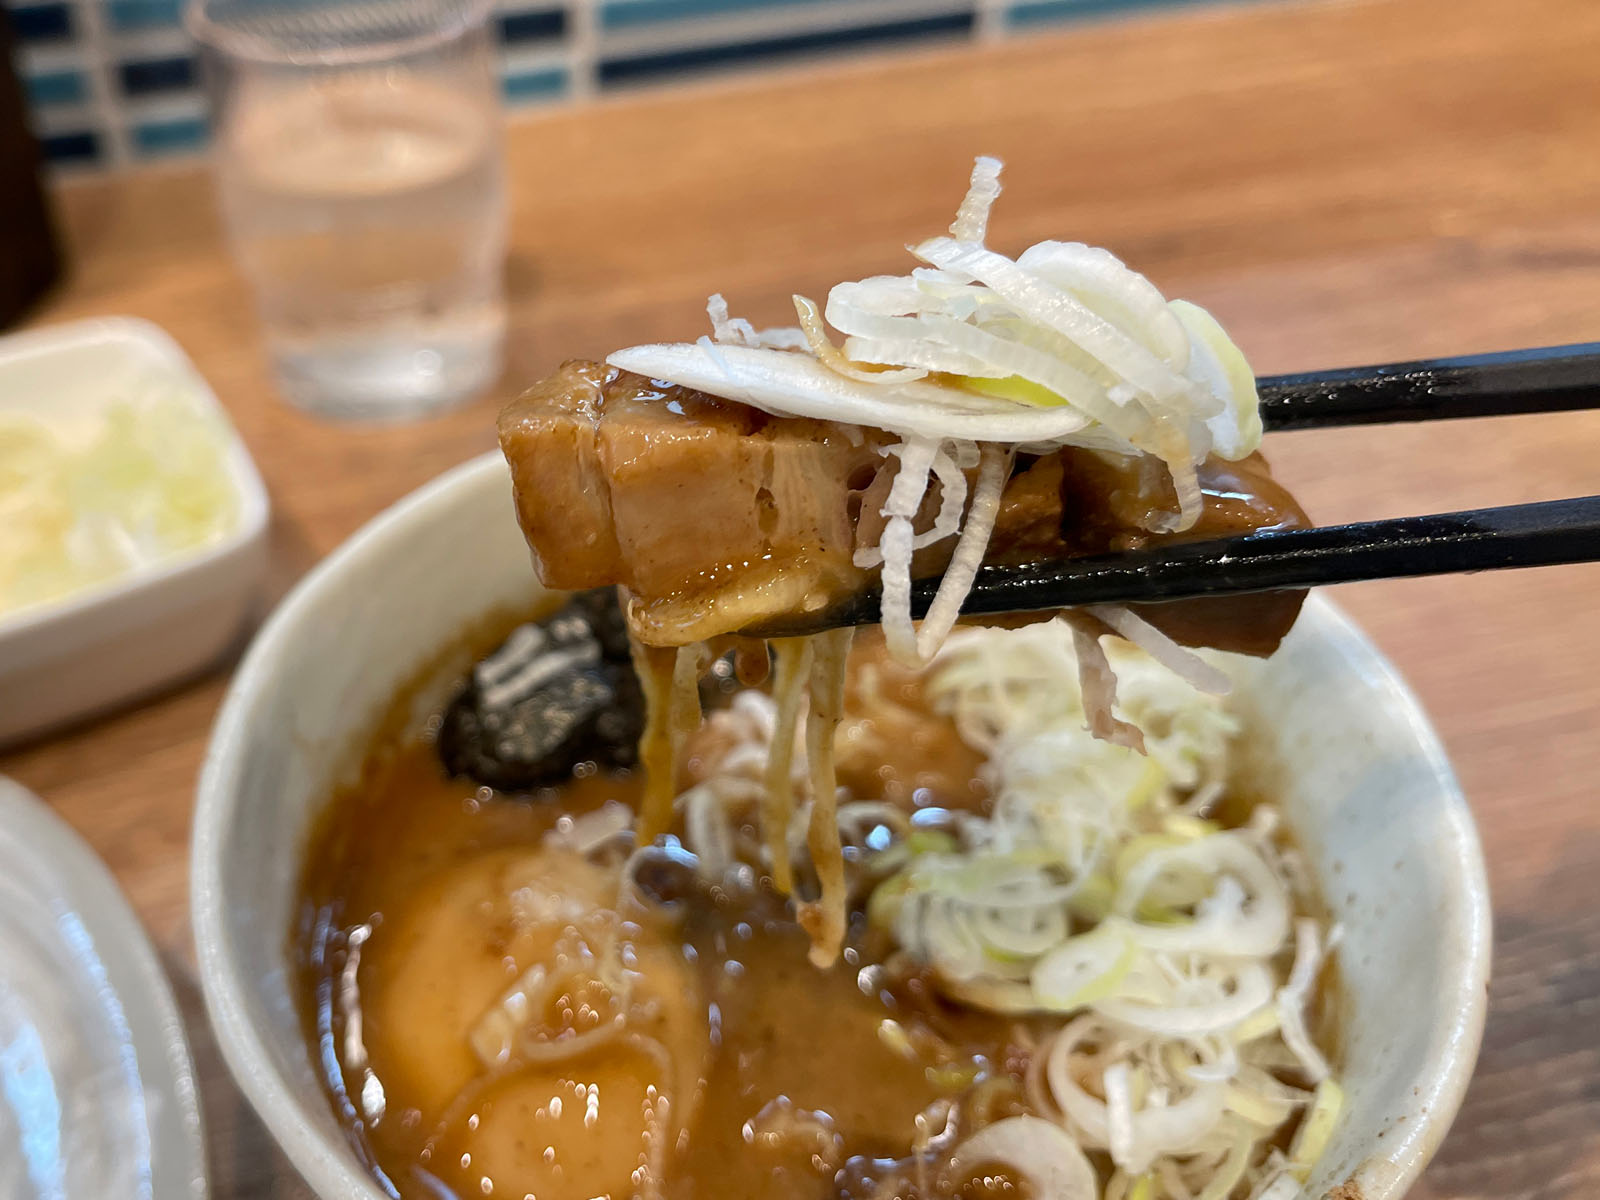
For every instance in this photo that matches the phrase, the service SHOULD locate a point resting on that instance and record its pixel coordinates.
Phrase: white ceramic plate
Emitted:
(97, 1093)
(1366, 789)
(161, 621)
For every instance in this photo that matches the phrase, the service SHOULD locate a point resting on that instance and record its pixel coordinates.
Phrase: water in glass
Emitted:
(369, 211)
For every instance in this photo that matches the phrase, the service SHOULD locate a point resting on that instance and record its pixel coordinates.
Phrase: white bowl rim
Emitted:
(317, 1155)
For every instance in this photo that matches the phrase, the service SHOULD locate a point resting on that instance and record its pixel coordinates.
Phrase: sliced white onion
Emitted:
(1020, 932)
(818, 342)
(967, 557)
(912, 353)
(1226, 1175)
(992, 995)
(1316, 1128)
(1235, 930)
(1280, 1187)
(952, 500)
(707, 831)
(797, 385)
(1219, 366)
(1059, 311)
(1097, 683)
(1172, 1017)
(1119, 1115)
(1108, 285)
(1158, 1129)
(898, 542)
(1045, 1155)
(736, 331)
(1179, 660)
(972, 218)
(1083, 969)
(1296, 994)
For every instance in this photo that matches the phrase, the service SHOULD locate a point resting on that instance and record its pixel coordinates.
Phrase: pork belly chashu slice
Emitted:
(716, 517)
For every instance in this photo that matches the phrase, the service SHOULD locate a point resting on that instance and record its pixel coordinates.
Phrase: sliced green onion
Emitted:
(1316, 1129)
(931, 841)
(1231, 1169)
(1083, 969)
(1012, 387)
(884, 905)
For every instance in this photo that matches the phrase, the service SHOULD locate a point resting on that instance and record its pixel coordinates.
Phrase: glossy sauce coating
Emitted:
(716, 517)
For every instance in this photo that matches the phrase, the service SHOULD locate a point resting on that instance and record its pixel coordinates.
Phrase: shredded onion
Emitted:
(972, 219)
(1294, 995)
(736, 331)
(1227, 927)
(1171, 1016)
(1184, 663)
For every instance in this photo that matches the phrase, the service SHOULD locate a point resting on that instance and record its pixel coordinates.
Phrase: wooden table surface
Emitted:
(1339, 183)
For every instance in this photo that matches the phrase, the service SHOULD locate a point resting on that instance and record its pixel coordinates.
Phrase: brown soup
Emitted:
(740, 1070)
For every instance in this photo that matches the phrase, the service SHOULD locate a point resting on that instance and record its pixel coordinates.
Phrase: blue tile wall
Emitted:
(80, 146)
(171, 136)
(537, 25)
(116, 81)
(654, 65)
(1039, 12)
(624, 14)
(144, 77)
(522, 86)
(47, 88)
(41, 22)
(143, 14)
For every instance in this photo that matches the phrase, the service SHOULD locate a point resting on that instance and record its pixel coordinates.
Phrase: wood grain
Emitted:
(1339, 183)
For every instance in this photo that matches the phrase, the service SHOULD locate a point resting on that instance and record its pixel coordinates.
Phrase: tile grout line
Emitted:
(583, 48)
(89, 17)
(990, 25)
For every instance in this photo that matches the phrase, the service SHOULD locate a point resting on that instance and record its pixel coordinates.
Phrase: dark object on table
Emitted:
(554, 694)
(29, 257)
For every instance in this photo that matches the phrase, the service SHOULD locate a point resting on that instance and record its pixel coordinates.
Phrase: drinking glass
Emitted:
(357, 146)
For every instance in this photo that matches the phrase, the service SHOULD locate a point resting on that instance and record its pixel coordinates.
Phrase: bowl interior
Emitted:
(1361, 776)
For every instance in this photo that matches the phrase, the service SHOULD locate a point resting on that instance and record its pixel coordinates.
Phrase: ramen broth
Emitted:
(778, 1080)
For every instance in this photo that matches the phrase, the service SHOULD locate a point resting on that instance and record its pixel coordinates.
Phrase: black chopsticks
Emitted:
(1484, 539)
(1548, 379)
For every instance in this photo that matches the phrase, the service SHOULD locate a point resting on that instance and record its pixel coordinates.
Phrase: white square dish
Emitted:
(160, 621)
